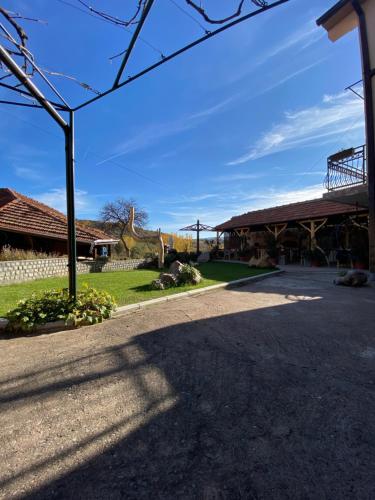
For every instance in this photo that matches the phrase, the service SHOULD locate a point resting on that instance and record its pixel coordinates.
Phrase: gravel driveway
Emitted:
(260, 392)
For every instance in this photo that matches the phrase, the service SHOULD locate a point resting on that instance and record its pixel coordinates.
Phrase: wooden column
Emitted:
(276, 229)
(312, 227)
(242, 231)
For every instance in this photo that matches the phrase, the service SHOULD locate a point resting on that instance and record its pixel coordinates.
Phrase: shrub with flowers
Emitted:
(89, 307)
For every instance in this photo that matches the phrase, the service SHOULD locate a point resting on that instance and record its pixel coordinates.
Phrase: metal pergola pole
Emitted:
(34, 91)
(178, 52)
(70, 205)
(133, 40)
(53, 109)
(198, 236)
(68, 129)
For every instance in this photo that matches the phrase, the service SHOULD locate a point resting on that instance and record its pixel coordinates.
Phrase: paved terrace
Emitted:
(265, 391)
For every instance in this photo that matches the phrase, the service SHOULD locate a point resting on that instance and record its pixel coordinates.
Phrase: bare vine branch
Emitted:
(24, 52)
(72, 78)
(17, 15)
(114, 19)
(208, 19)
(260, 3)
(20, 32)
(138, 10)
(22, 36)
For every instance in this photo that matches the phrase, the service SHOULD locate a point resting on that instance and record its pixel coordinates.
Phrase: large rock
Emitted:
(262, 262)
(175, 268)
(352, 278)
(157, 285)
(265, 262)
(168, 280)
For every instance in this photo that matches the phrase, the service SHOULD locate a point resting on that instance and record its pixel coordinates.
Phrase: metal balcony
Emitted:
(346, 168)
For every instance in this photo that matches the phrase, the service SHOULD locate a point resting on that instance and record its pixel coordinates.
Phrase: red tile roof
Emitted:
(311, 209)
(21, 214)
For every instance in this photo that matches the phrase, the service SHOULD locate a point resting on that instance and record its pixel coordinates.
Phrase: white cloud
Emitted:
(27, 173)
(31, 163)
(236, 203)
(190, 199)
(154, 133)
(237, 177)
(212, 110)
(27, 162)
(329, 121)
(56, 198)
(316, 172)
(305, 36)
(274, 197)
(299, 40)
(291, 76)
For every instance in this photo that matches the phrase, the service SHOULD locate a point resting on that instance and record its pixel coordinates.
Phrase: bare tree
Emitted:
(117, 214)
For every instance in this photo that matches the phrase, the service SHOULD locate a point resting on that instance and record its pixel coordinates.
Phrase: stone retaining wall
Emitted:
(24, 270)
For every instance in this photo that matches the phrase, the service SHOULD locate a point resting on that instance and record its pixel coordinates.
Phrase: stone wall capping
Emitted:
(26, 270)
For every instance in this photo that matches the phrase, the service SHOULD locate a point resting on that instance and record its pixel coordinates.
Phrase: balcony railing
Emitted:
(346, 168)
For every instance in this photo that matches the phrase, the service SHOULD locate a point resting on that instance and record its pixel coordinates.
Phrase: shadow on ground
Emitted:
(274, 401)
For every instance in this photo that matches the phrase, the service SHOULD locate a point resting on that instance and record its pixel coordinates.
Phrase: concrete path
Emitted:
(266, 391)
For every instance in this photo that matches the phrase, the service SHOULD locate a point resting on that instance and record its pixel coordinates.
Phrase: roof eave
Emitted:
(333, 11)
(55, 214)
(37, 234)
(339, 20)
(226, 226)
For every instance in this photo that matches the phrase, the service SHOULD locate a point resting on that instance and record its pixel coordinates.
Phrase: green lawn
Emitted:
(127, 287)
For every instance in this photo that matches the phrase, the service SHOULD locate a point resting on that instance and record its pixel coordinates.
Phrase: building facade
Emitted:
(319, 232)
(343, 17)
(30, 225)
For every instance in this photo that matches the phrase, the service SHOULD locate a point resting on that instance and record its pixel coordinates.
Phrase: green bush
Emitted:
(189, 275)
(91, 306)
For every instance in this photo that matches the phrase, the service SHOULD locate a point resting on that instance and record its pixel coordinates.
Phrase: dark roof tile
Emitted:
(25, 215)
(310, 209)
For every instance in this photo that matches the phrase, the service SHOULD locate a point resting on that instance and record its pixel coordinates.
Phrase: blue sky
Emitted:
(242, 122)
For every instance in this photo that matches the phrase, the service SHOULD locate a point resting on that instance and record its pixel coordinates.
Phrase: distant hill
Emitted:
(110, 228)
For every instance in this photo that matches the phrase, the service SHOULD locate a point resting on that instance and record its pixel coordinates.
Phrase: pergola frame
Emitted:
(67, 125)
(197, 228)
